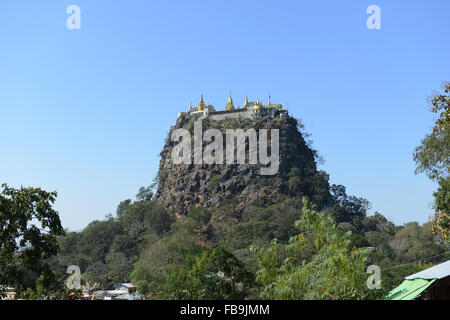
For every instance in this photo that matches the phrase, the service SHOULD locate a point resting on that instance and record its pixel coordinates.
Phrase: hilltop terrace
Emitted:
(248, 110)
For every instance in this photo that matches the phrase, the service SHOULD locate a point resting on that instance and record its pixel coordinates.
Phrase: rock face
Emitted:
(182, 186)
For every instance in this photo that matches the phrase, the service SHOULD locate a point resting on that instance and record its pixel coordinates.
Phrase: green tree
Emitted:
(432, 157)
(96, 276)
(29, 227)
(143, 277)
(441, 219)
(119, 267)
(199, 214)
(97, 238)
(50, 287)
(294, 182)
(414, 242)
(345, 208)
(158, 219)
(259, 225)
(122, 208)
(162, 255)
(334, 270)
(208, 274)
(145, 193)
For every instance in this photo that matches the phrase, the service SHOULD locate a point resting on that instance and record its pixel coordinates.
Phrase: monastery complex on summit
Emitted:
(249, 110)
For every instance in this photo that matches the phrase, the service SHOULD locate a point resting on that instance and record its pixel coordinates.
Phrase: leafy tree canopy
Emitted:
(432, 157)
(334, 271)
(29, 227)
(208, 274)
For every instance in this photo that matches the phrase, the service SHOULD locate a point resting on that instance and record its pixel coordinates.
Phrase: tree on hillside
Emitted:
(333, 271)
(161, 255)
(345, 208)
(29, 227)
(414, 242)
(208, 274)
(97, 238)
(441, 220)
(432, 157)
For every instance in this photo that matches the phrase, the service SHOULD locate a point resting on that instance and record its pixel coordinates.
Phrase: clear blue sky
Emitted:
(85, 112)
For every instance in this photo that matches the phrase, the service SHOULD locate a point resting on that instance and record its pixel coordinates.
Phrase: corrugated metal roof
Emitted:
(437, 272)
(409, 289)
(128, 285)
(117, 292)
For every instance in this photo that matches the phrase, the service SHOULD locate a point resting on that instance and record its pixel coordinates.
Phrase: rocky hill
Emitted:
(182, 186)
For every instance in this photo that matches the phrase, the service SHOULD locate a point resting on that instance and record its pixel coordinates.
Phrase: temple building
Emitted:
(248, 110)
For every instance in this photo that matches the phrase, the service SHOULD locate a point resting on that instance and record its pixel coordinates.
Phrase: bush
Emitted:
(199, 214)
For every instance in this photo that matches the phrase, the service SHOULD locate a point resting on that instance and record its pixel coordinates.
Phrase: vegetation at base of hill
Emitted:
(318, 263)
(207, 274)
(169, 258)
(144, 244)
(196, 257)
(106, 250)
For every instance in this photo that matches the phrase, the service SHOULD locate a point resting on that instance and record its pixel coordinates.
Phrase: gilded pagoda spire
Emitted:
(229, 103)
(201, 104)
(269, 104)
(246, 102)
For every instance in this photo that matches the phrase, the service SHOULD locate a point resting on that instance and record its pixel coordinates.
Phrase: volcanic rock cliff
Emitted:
(181, 186)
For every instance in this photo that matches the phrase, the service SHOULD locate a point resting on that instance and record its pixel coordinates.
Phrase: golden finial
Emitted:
(246, 103)
(269, 104)
(229, 103)
(201, 104)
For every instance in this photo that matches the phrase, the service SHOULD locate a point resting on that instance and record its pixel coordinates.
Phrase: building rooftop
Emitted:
(437, 272)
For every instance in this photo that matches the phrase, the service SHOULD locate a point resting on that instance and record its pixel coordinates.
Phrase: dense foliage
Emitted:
(170, 258)
(208, 274)
(106, 250)
(318, 263)
(29, 227)
(432, 157)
